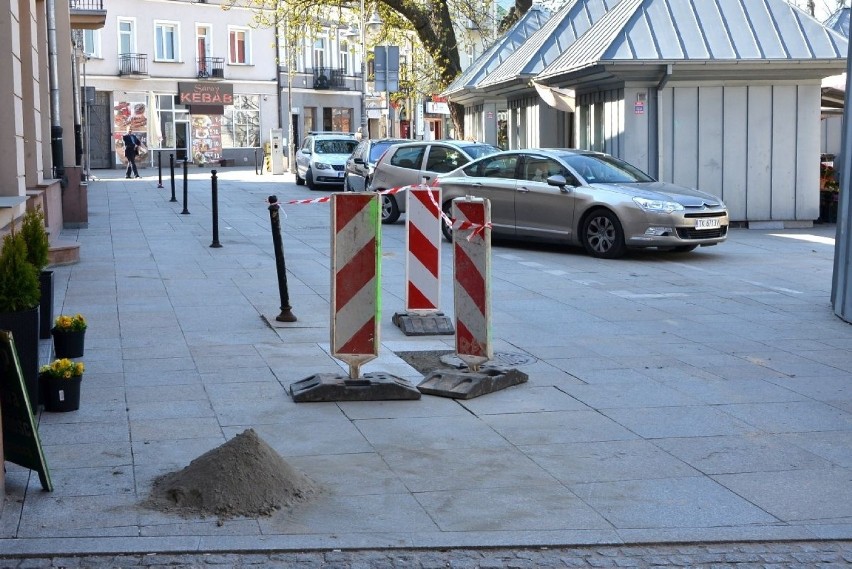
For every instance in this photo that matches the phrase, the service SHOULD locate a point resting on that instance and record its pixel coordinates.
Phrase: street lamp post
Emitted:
(365, 129)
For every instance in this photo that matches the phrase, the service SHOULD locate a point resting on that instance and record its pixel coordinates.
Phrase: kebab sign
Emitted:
(206, 94)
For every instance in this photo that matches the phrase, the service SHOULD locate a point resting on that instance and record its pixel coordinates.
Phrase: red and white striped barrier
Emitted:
(355, 273)
(423, 244)
(472, 280)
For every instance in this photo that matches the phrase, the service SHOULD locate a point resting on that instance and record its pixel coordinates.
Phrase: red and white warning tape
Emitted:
(456, 225)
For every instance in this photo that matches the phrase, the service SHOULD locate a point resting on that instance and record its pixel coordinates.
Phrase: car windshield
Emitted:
(601, 169)
(378, 149)
(480, 150)
(335, 146)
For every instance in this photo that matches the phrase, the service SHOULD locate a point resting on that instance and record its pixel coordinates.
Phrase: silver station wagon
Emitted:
(586, 198)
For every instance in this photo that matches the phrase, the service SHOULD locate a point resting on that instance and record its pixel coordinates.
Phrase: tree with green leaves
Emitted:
(434, 25)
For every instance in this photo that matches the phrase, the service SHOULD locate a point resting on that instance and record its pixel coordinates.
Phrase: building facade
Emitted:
(189, 78)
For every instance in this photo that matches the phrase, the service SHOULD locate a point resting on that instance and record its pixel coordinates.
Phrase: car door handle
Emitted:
(523, 189)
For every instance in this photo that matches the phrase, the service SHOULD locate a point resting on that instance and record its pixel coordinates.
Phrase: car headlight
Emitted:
(322, 166)
(658, 206)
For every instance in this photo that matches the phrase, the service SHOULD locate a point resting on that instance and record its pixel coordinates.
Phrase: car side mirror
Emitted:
(559, 181)
(306, 152)
(358, 160)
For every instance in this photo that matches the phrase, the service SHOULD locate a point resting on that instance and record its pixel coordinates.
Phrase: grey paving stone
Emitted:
(791, 417)
(432, 470)
(669, 503)
(429, 433)
(727, 455)
(520, 508)
(557, 427)
(670, 422)
(796, 495)
(636, 393)
(606, 461)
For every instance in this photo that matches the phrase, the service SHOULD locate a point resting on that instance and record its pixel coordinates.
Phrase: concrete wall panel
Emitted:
(684, 134)
(710, 140)
(735, 157)
(759, 151)
(807, 157)
(785, 140)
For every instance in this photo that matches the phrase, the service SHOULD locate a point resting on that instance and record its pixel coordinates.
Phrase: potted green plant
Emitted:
(38, 245)
(62, 379)
(19, 307)
(69, 334)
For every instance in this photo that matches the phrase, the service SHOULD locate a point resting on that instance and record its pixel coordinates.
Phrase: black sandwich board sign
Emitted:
(20, 436)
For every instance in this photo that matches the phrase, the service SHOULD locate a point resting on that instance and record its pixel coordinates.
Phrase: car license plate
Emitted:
(712, 223)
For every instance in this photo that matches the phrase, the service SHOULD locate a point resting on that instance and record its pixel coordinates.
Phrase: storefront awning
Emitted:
(561, 99)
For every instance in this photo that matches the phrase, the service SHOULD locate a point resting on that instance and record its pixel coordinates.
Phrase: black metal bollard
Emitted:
(185, 186)
(275, 219)
(214, 188)
(172, 168)
(255, 163)
(159, 168)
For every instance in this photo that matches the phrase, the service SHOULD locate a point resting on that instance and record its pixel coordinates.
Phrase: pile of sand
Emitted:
(243, 477)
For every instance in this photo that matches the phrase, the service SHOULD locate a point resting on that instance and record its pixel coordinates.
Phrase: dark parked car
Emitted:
(360, 165)
(586, 198)
(411, 163)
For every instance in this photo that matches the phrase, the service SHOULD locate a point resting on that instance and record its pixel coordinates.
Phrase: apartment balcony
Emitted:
(87, 14)
(329, 78)
(133, 65)
(211, 68)
(321, 78)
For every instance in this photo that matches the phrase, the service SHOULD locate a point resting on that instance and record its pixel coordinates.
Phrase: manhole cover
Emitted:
(506, 359)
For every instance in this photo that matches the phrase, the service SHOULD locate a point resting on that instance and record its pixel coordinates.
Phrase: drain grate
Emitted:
(507, 359)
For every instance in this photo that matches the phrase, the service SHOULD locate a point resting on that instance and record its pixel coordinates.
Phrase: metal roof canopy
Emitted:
(495, 55)
(766, 39)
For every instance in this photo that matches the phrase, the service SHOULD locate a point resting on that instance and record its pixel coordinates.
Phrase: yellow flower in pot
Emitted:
(63, 368)
(69, 336)
(64, 323)
(61, 380)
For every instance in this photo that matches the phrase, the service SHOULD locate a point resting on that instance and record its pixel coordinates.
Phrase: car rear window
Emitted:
(480, 150)
(335, 146)
(378, 149)
(408, 157)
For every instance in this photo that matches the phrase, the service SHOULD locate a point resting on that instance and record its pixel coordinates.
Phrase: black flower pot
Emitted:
(61, 395)
(68, 343)
(24, 328)
(46, 306)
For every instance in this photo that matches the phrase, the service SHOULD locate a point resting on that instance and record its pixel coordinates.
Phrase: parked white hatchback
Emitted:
(321, 160)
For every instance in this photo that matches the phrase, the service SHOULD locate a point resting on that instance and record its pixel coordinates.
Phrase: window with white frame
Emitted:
(92, 43)
(166, 36)
(239, 51)
(126, 36)
(319, 53)
(241, 123)
(344, 57)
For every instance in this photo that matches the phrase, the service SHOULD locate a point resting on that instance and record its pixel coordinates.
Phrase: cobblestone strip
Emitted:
(772, 555)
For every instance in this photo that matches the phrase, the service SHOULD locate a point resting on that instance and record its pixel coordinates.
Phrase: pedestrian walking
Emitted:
(131, 151)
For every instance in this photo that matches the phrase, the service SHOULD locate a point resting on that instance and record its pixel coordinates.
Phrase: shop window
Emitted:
(241, 123)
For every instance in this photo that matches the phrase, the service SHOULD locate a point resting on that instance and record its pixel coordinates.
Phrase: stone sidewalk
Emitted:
(672, 398)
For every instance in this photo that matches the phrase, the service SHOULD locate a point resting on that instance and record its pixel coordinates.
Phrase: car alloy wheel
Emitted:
(390, 210)
(446, 229)
(602, 235)
(309, 179)
(299, 180)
